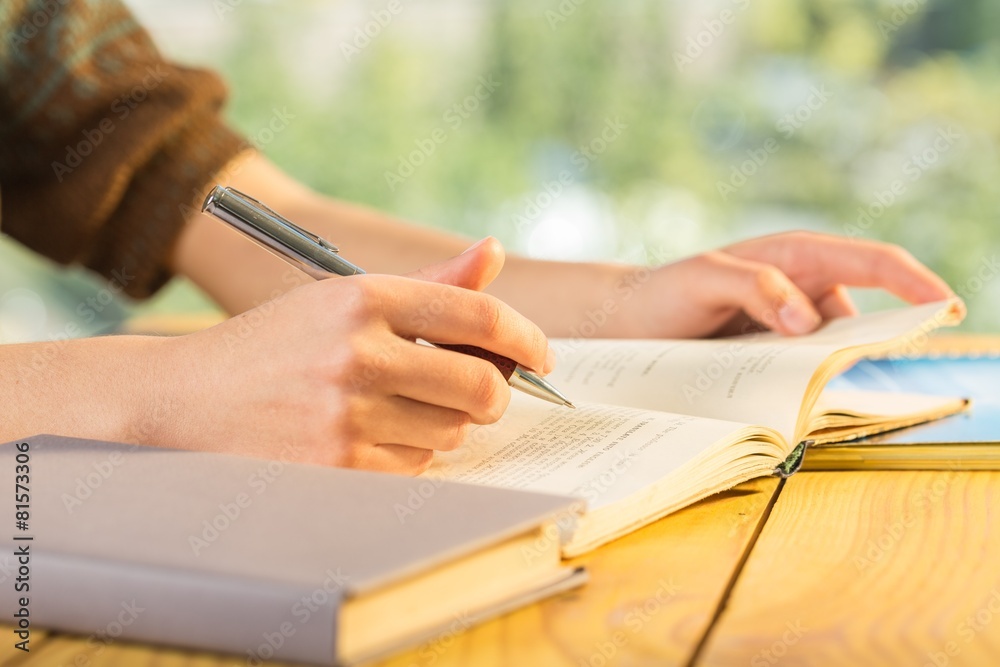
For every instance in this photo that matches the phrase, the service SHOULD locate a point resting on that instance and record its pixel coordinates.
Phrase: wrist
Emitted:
(87, 388)
(134, 399)
(573, 299)
(621, 311)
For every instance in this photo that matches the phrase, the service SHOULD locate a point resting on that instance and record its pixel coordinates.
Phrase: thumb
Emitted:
(474, 269)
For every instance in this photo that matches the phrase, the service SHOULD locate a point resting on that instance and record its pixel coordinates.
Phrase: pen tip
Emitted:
(569, 405)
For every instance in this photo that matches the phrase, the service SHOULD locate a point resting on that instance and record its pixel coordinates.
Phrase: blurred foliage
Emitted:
(702, 90)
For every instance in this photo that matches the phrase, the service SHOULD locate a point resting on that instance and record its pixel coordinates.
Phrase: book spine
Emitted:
(106, 601)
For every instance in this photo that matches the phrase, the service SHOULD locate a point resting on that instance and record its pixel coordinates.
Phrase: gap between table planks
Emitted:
(870, 568)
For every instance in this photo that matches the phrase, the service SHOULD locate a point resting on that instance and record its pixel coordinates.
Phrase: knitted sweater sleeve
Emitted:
(105, 148)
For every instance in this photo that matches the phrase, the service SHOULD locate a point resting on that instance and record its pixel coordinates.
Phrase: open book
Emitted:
(661, 424)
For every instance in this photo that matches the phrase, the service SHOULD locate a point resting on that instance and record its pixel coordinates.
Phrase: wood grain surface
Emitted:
(870, 568)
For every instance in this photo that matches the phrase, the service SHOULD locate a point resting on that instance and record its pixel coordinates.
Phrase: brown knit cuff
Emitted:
(105, 148)
(116, 196)
(137, 239)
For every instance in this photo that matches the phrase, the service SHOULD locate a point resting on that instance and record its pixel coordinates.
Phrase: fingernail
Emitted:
(550, 362)
(476, 244)
(798, 320)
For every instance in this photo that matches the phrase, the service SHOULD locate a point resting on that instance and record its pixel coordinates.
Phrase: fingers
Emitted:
(836, 303)
(874, 264)
(403, 421)
(474, 269)
(447, 314)
(401, 435)
(424, 397)
(398, 459)
(761, 290)
(818, 262)
(447, 379)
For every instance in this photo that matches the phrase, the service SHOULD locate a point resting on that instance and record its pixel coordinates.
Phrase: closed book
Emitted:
(265, 559)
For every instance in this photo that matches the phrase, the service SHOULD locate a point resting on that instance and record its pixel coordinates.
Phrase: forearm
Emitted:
(239, 275)
(574, 299)
(93, 388)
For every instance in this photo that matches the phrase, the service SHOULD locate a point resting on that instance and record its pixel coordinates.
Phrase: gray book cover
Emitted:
(228, 553)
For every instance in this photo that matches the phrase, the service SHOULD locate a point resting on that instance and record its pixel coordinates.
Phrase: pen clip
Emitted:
(318, 240)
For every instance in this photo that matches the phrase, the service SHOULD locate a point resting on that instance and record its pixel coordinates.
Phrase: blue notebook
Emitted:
(975, 378)
(967, 441)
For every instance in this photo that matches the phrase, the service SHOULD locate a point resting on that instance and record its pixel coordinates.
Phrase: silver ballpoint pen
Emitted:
(321, 259)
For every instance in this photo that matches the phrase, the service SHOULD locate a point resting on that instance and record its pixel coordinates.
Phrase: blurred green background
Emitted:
(639, 130)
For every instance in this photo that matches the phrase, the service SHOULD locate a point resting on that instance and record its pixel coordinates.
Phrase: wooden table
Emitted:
(830, 568)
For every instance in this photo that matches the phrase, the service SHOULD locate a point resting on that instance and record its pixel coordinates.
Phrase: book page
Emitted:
(602, 453)
(841, 416)
(754, 379)
(860, 403)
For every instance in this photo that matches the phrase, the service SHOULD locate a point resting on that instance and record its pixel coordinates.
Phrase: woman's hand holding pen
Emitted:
(331, 370)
